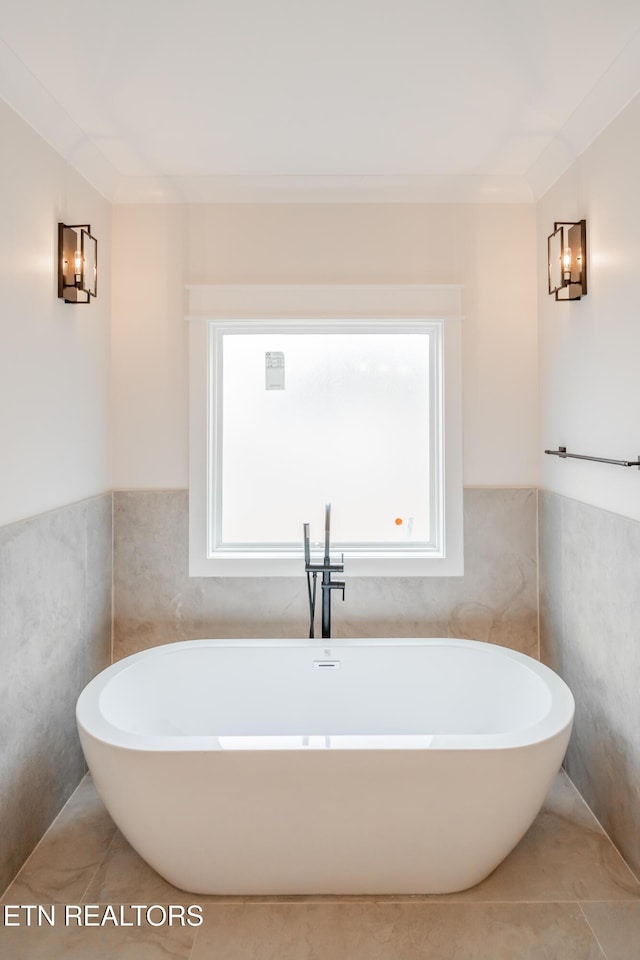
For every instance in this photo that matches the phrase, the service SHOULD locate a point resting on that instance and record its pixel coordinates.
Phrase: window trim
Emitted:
(249, 564)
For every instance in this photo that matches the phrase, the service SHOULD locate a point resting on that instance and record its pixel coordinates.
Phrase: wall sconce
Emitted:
(77, 263)
(567, 255)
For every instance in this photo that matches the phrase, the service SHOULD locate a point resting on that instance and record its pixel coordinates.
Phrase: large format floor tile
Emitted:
(63, 864)
(564, 856)
(395, 931)
(617, 928)
(62, 942)
(124, 877)
(563, 894)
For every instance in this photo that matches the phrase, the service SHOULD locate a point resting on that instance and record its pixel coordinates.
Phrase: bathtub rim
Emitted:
(92, 722)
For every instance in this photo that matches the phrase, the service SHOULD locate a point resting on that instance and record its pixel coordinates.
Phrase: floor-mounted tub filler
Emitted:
(351, 766)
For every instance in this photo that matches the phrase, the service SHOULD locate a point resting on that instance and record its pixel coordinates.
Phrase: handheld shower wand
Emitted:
(310, 591)
(327, 533)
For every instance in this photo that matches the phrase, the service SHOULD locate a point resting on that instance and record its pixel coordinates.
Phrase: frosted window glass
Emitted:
(306, 419)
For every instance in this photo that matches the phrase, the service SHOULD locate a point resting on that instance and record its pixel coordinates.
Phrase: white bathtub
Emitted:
(293, 767)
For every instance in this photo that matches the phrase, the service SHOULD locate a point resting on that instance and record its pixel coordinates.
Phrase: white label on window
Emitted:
(274, 370)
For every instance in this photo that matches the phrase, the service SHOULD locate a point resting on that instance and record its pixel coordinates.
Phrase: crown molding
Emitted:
(324, 189)
(24, 93)
(31, 100)
(602, 104)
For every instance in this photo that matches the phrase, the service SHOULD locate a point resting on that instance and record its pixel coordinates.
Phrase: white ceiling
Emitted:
(319, 100)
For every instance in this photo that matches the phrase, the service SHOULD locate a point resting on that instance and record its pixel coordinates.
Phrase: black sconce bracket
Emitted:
(77, 263)
(567, 260)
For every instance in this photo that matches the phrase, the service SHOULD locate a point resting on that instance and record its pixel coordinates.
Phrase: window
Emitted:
(288, 415)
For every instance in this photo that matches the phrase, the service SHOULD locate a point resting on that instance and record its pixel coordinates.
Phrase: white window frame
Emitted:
(207, 560)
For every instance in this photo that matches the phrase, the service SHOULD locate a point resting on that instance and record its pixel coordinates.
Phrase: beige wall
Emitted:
(589, 535)
(589, 350)
(159, 249)
(54, 357)
(55, 568)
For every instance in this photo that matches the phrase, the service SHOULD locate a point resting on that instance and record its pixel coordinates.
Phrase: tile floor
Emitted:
(563, 894)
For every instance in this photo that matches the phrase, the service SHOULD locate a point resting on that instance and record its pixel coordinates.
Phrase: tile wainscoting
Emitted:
(56, 624)
(590, 634)
(156, 602)
(55, 634)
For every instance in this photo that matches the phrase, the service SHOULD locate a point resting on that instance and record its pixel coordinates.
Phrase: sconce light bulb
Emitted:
(78, 267)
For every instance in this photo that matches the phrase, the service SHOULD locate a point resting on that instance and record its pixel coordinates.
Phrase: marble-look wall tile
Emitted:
(550, 578)
(99, 593)
(590, 599)
(497, 599)
(156, 602)
(55, 633)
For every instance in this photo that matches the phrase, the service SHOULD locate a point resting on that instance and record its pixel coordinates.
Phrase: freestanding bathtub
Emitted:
(296, 767)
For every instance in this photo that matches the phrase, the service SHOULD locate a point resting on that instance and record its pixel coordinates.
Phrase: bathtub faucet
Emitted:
(326, 568)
